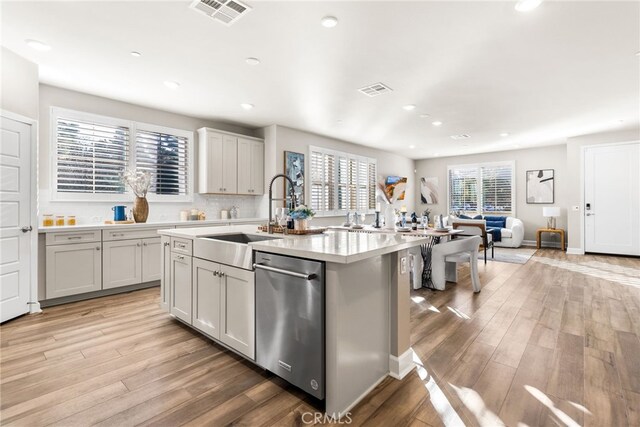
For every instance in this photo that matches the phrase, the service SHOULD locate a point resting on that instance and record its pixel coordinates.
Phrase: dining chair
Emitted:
(475, 227)
(446, 256)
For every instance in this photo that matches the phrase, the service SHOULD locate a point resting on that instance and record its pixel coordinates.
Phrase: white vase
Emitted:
(389, 217)
(301, 224)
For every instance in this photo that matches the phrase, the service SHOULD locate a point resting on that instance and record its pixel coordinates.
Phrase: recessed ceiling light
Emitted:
(246, 106)
(409, 107)
(638, 53)
(516, 146)
(412, 146)
(252, 61)
(503, 134)
(437, 123)
(38, 45)
(135, 54)
(329, 21)
(171, 84)
(436, 154)
(424, 116)
(527, 5)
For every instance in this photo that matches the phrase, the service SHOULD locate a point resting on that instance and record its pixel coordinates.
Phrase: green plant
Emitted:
(302, 212)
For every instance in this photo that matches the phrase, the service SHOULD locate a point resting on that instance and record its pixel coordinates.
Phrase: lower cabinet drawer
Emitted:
(182, 246)
(69, 237)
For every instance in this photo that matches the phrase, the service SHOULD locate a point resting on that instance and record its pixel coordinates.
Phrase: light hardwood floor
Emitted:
(552, 342)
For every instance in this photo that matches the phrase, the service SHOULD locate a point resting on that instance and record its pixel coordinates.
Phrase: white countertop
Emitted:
(158, 224)
(332, 246)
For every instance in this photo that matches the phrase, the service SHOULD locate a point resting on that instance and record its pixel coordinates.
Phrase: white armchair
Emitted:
(445, 257)
(512, 234)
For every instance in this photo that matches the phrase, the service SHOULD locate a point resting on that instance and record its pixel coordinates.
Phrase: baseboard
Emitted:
(346, 410)
(575, 251)
(544, 244)
(400, 366)
(97, 294)
(34, 307)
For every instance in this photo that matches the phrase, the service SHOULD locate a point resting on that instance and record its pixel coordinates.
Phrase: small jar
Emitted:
(47, 220)
(71, 220)
(59, 220)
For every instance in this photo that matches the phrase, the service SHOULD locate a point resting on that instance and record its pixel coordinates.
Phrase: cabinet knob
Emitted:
(144, 244)
(138, 244)
(221, 273)
(97, 248)
(224, 189)
(215, 273)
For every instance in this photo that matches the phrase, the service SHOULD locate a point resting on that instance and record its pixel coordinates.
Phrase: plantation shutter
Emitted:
(371, 181)
(343, 183)
(90, 156)
(497, 188)
(363, 196)
(463, 189)
(323, 182)
(164, 156)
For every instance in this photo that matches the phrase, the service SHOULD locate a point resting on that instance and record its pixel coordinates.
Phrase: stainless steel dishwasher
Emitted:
(290, 320)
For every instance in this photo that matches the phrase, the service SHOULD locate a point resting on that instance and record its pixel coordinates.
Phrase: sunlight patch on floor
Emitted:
(473, 401)
(458, 313)
(544, 399)
(590, 271)
(629, 271)
(441, 404)
(420, 300)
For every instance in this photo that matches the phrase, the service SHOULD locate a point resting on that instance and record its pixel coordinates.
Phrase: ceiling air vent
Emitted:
(375, 89)
(461, 136)
(225, 11)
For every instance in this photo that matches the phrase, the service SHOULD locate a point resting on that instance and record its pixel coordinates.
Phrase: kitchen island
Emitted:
(366, 300)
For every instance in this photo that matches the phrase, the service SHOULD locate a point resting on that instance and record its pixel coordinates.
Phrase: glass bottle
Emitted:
(71, 220)
(47, 220)
(59, 220)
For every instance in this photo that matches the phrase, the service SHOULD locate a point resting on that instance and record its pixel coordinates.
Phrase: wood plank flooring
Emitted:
(552, 342)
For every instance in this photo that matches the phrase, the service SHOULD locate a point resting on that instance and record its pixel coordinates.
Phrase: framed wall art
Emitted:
(294, 169)
(540, 186)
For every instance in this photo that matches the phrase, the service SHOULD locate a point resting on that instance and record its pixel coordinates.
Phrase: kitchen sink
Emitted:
(241, 238)
(230, 249)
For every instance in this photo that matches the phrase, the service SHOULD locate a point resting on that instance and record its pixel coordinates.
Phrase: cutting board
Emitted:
(129, 221)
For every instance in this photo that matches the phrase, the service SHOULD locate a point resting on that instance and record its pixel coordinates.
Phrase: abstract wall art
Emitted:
(540, 186)
(294, 169)
(395, 187)
(429, 190)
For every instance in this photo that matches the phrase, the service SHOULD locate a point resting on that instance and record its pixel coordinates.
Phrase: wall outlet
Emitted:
(575, 208)
(403, 265)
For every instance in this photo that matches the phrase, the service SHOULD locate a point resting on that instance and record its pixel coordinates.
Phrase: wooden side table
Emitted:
(559, 231)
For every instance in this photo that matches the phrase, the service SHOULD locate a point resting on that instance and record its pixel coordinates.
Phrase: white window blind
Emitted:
(341, 182)
(90, 156)
(484, 188)
(164, 156)
(90, 152)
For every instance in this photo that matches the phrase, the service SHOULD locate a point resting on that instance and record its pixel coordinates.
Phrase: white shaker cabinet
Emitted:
(73, 269)
(217, 162)
(237, 309)
(165, 278)
(121, 263)
(180, 299)
(151, 259)
(206, 297)
(250, 167)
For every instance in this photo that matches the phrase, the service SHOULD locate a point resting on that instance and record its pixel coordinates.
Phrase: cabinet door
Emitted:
(151, 259)
(121, 263)
(165, 278)
(229, 164)
(180, 298)
(257, 167)
(73, 269)
(237, 311)
(245, 169)
(206, 297)
(210, 163)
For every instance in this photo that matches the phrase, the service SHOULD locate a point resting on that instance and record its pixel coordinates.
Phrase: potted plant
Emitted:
(301, 216)
(139, 182)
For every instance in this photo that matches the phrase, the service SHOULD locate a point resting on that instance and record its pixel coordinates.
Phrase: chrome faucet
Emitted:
(292, 197)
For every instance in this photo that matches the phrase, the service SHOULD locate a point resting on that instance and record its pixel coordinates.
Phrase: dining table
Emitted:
(425, 250)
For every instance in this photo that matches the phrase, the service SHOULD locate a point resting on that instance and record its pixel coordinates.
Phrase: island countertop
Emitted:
(333, 246)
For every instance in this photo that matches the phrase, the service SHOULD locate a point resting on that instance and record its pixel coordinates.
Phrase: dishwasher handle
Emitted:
(285, 272)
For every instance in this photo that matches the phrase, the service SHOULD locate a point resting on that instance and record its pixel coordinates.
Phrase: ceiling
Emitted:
(482, 68)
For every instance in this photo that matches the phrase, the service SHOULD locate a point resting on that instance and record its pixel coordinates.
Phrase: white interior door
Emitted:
(15, 218)
(612, 199)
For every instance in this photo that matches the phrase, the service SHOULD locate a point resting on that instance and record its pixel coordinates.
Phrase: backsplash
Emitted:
(98, 212)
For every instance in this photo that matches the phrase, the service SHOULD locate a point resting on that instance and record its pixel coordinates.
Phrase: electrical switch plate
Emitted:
(575, 208)
(403, 265)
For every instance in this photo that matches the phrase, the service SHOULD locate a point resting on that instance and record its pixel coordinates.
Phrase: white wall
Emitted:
(576, 177)
(91, 212)
(288, 139)
(18, 85)
(553, 157)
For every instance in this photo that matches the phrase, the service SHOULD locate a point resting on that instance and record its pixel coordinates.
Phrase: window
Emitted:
(90, 152)
(341, 182)
(482, 189)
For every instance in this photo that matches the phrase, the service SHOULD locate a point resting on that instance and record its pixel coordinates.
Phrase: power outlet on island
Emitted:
(403, 265)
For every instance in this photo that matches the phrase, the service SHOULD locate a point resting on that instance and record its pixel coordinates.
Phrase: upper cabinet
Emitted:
(250, 167)
(229, 164)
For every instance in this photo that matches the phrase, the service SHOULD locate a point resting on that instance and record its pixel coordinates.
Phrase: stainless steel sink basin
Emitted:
(241, 238)
(230, 249)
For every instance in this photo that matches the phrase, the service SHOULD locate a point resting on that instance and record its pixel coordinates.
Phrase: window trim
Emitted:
(510, 163)
(337, 154)
(56, 196)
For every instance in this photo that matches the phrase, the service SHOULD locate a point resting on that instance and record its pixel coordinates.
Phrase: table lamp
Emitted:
(551, 213)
